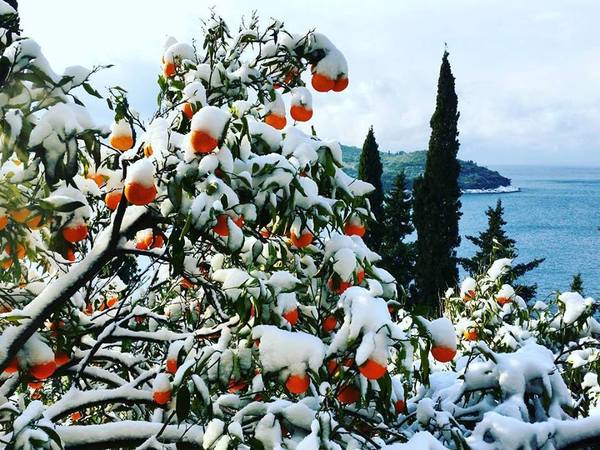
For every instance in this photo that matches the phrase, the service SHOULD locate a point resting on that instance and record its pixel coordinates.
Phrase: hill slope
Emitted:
(472, 176)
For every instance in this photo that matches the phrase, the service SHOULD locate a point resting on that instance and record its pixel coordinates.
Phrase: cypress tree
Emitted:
(398, 256)
(493, 243)
(370, 170)
(436, 209)
(577, 284)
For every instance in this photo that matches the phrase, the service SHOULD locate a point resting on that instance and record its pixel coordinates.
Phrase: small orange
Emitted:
(236, 386)
(336, 286)
(148, 150)
(301, 113)
(12, 367)
(98, 179)
(43, 370)
(169, 70)
(400, 406)
(304, 240)
(186, 284)
(329, 324)
(360, 276)
(188, 110)
(61, 358)
(75, 233)
(297, 384)
(322, 83)
(121, 142)
(112, 301)
(340, 84)
(291, 316)
(20, 252)
(20, 215)
(161, 398)
(372, 370)
(35, 384)
(503, 300)
(6, 263)
(469, 295)
(3, 222)
(276, 121)
(332, 366)
(138, 194)
(112, 199)
(150, 240)
(35, 222)
(203, 142)
(75, 416)
(348, 395)
(471, 334)
(70, 254)
(172, 365)
(351, 229)
(443, 354)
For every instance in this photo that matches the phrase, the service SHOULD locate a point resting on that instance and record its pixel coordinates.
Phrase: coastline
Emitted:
(499, 190)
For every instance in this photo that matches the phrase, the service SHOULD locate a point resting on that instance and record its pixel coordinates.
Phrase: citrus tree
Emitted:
(199, 279)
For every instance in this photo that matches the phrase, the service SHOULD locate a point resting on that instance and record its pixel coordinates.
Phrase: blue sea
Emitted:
(555, 216)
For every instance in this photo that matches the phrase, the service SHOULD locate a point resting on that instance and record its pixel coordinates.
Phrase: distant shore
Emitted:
(498, 190)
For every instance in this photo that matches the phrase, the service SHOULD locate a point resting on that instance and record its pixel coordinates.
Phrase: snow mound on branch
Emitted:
(141, 172)
(498, 268)
(422, 440)
(575, 305)
(295, 351)
(352, 186)
(195, 92)
(301, 96)
(442, 332)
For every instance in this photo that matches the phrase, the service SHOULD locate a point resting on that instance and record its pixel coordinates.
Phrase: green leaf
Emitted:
(90, 90)
(182, 403)
(64, 208)
(52, 435)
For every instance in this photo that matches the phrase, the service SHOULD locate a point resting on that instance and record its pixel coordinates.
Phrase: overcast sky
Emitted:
(527, 72)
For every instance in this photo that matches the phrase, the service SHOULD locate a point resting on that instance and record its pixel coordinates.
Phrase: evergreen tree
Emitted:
(398, 256)
(493, 243)
(577, 284)
(370, 170)
(436, 209)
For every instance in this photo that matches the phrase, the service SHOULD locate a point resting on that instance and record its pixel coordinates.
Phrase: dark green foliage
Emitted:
(370, 170)
(436, 208)
(472, 176)
(398, 256)
(577, 284)
(493, 244)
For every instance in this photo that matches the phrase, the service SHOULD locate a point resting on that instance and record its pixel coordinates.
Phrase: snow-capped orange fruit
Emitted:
(291, 316)
(400, 406)
(503, 300)
(20, 215)
(75, 233)
(98, 179)
(3, 222)
(304, 240)
(139, 194)
(348, 395)
(188, 110)
(322, 83)
(329, 324)
(340, 84)
(222, 229)
(148, 150)
(372, 370)
(150, 240)
(471, 334)
(121, 142)
(161, 397)
(301, 113)
(19, 252)
(169, 69)
(112, 301)
(276, 121)
(42, 371)
(351, 229)
(338, 286)
(297, 384)
(203, 142)
(443, 354)
(172, 365)
(12, 367)
(112, 199)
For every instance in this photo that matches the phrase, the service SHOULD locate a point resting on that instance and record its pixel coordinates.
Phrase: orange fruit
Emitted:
(303, 241)
(443, 354)
(98, 179)
(12, 367)
(332, 366)
(471, 334)
(186, 284)
(20, 215)
(348, 395)
(188, 110)
(112, 199)
(70, 254)
(351, 229)
(35, 222)
(322, 83)
(276, 121)
(121, 142)
(503, 300)
(372, 370)
(112, 301)
(297, 384)
(340, 84)
(221, 227)
(35, 384)
(89, 309)
(75, 416)
(236, 386)
(150, 240)
(171, 365)
(3, 222)
(61, 358)
(138, 194)
(360, 276)
(329, 324)
(161, 398)
(301, 113)
(169, 70)
(202, 142)
(291, 316)
(265, 233)
(338, 287)
(43, 370)
(148, 150)
(6, 263)
(400, 406)
(75, 233)
(20, 252)
(469, 295)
